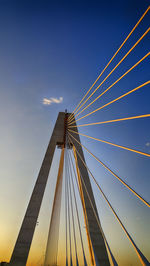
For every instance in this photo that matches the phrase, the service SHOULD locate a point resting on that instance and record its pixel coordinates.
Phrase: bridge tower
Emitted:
(95, 238)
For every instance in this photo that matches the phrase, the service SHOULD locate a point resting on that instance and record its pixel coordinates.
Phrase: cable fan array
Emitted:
(70, 156)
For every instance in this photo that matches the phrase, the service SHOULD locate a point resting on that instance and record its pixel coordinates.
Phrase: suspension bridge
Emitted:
(75, 177)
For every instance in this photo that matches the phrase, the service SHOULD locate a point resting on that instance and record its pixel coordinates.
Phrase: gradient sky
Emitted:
(52, 49)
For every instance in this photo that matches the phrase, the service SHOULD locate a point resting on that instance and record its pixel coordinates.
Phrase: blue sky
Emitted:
(53, 49)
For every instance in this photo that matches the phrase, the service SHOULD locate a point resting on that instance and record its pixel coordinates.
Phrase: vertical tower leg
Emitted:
(95, 238)
(23, 243)
(53, 236)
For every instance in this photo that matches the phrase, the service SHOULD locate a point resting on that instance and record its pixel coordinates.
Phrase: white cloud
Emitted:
(148, 144)
(52, 100)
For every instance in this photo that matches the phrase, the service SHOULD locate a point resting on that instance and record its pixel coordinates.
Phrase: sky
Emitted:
(51, 52)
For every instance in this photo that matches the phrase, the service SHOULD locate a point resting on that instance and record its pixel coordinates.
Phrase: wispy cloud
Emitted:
(148, 144)
(49, 101)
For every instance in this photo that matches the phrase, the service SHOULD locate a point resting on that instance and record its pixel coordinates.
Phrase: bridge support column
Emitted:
(97, 246)
(23, 243)
(96, 242)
